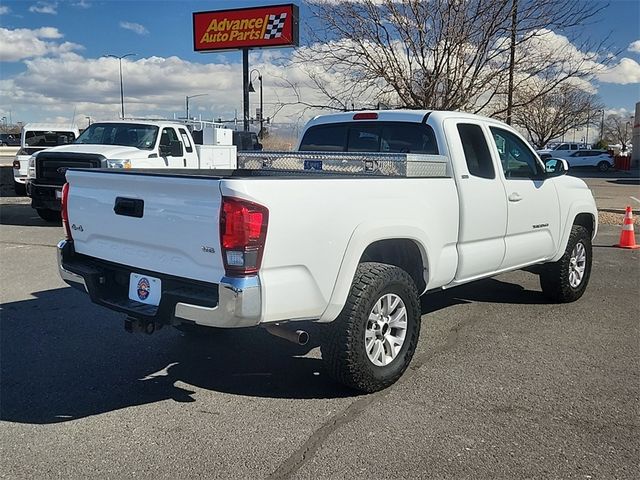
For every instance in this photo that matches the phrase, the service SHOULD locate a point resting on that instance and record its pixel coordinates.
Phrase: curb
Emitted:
(621, 211)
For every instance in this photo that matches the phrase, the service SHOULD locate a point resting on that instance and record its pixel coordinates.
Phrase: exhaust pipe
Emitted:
(299, 337)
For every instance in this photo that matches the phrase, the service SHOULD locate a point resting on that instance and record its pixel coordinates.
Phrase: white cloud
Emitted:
(82, 4)
(44, 7)
(626, 71)
(55, 86)
(634, 46)
(134, 27)
(4, 10)
(23, 43)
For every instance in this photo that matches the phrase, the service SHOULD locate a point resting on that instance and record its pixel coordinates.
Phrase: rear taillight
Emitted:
(65, 211)
(243, 231)
(16, 164)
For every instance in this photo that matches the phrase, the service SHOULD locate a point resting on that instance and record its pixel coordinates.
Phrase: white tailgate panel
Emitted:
(181, 217)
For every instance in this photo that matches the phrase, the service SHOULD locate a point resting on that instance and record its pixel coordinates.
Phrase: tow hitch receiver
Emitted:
(138, 325)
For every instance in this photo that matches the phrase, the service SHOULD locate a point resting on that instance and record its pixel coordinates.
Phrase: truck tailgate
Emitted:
(160, 223)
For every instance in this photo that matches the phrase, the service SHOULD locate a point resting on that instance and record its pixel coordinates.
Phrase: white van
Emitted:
(34, 138)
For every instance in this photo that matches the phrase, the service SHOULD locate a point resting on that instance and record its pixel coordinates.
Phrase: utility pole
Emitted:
(512, 58)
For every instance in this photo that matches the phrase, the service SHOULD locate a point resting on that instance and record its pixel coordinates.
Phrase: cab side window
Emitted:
(185, 140)
(518, 161)
(476, 151)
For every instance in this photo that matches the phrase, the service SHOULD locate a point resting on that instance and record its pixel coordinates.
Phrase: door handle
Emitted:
(515, 197)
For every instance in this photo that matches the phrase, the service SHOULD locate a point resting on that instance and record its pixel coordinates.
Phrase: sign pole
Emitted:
(245, 87)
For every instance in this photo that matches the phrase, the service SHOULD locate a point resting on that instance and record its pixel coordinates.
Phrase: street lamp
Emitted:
(252, 90)
(119, 58)
(187, 101)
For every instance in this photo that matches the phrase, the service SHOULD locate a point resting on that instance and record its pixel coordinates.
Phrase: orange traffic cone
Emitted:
(627, 236)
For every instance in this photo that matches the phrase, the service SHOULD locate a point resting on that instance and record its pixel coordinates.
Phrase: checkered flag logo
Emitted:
(275, 26)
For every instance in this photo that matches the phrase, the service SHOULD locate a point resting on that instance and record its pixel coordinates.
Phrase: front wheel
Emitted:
(19, 188)
(47, 215)
(566, 280)
(604, 166)
(372, 342)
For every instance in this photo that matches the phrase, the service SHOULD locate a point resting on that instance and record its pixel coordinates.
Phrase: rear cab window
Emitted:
(385, 137)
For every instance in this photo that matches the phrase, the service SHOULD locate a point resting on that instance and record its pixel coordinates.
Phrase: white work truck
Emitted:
(372, 211)
(127, 144)
(36, 137)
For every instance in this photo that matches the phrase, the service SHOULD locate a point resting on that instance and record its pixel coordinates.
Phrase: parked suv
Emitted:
(601, 159)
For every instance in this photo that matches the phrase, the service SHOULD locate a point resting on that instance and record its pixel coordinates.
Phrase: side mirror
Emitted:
(176, 149)
(555, 167)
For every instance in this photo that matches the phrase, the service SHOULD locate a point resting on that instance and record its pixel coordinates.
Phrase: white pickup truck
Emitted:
(375, 209)
(127, 144)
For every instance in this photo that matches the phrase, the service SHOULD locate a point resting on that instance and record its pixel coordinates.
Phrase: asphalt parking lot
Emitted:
(503, 385)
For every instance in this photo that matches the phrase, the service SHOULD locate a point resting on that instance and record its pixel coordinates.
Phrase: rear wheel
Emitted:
(566, 280)
(47, 215)
(372, 342)
(19, 188)
(603, 166)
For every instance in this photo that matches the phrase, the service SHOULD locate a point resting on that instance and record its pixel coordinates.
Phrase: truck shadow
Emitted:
(489, 290)
(63, 358)
(21, 214)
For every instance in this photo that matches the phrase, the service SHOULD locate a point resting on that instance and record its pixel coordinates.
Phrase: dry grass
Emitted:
(276, 143)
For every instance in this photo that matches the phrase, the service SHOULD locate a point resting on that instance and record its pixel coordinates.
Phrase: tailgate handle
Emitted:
(129, 207)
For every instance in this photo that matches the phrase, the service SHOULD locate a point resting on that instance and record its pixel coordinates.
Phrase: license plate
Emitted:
(58, 194)
(145, 289)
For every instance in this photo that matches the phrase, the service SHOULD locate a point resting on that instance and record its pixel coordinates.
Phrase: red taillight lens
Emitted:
(243, 230)
(65, 214)
(366, 116)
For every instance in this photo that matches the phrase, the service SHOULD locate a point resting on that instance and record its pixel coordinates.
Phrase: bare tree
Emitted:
(445, 54)
(618, 129)
(553, 114)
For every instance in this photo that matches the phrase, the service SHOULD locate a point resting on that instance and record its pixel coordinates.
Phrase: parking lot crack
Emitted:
(295, 461)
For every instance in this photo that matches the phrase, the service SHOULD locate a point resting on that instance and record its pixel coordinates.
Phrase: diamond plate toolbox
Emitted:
(414, 165)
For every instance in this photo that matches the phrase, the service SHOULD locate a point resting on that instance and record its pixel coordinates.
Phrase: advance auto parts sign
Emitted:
(260, 27)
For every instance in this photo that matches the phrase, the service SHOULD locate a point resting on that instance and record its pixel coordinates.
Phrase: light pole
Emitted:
(251, 89)
(121, 87)
(89, 121)
(601, 124)
(187, 102)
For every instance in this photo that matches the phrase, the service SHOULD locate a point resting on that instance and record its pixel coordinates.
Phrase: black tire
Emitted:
(47, 215)
(554, 278)
(19, 188)
(343, 347)
(603, 166)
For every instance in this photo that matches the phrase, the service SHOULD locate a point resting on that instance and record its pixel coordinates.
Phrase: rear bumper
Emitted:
(233, 303)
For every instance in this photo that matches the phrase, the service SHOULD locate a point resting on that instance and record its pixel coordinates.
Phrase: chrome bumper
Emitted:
(239, 300)
(73, 279)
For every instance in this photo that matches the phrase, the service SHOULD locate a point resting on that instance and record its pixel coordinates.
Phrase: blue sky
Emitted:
(70, 37)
